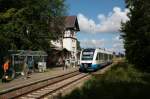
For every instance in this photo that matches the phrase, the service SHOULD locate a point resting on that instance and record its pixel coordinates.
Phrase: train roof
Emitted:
(104, 51)
(98, 49)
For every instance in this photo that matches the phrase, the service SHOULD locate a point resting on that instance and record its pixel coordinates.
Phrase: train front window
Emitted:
(87, 55)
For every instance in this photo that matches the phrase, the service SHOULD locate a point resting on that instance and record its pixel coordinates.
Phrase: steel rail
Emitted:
(49, 90)
(22, 90)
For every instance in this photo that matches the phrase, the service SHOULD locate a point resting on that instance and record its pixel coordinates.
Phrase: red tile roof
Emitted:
(71, 22)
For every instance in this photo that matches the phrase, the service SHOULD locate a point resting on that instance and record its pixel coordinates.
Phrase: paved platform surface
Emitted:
(20, 81)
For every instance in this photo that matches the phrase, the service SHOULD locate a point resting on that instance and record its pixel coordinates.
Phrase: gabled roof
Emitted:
(71, 22)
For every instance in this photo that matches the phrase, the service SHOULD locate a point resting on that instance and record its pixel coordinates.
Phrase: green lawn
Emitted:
(122, 81)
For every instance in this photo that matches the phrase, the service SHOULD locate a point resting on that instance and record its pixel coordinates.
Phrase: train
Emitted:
(94, 59)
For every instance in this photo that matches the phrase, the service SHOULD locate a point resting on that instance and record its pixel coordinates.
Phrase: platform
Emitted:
(34, 77)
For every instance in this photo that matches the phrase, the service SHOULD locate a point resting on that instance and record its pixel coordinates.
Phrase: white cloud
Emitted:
(86, 24)
(109, 23)
(117, 39)
(118, 47)
(115, 44)
(93, 43)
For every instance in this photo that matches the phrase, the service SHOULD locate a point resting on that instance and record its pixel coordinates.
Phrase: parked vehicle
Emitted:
(93, 59)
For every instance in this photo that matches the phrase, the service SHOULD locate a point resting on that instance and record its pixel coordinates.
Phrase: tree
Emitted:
(136, 33)
(24, 23)
(78, 45)
(30, 24)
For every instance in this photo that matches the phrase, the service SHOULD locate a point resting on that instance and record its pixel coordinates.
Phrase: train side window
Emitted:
(97, 56)
(100, 56)
(105, 56)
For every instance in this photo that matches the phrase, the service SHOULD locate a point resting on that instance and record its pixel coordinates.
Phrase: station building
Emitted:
(69, 39)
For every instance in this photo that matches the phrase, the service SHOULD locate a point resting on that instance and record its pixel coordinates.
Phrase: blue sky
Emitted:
(99, 22)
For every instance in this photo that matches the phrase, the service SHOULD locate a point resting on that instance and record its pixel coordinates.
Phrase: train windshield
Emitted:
(87, 54)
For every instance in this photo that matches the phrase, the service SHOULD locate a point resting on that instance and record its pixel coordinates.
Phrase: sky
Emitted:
(99, 22)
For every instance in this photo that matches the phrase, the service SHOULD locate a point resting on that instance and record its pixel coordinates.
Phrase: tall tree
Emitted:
(136, 33)
(25, 22)
(30, 24)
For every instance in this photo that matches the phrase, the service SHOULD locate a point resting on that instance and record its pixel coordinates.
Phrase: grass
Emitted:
(122, 81)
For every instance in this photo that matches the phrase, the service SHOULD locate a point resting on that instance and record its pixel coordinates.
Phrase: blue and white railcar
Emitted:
(93, 59)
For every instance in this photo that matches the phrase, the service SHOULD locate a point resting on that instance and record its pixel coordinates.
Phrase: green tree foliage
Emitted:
(136, 33)
(30, 24)
(78, 45)
(25, 24)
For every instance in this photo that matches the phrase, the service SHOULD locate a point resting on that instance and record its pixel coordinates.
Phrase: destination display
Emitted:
(88, 53)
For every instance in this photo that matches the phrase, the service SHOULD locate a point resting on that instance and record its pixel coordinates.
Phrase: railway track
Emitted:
(27, 89)
(47, 87)
(49, 90)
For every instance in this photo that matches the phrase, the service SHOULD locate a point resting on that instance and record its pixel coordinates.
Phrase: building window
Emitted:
(73, 48)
